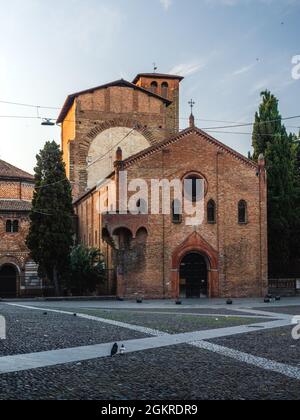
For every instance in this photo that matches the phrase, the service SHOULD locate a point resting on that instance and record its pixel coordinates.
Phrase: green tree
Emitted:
(87, 269)
(280, 158)
(50, 237)
(271, 138)
(267, 124)
(295, 236)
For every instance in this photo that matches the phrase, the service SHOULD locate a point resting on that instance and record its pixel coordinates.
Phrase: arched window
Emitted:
(193, 190)
(211, 212)
(142, 236)
(8, 226)
(165, 89)
(15, 227)
(242, 212)
(154, 87)
(176, 211)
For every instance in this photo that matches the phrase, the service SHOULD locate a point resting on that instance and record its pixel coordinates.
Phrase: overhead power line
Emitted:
(152, 128)
(234, 124)
(28, 105)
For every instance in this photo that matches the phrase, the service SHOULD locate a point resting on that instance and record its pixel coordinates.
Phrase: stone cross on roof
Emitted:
(192, 118)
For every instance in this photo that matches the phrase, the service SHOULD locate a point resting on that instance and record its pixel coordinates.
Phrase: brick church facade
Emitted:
(134, 127)
(18, 273)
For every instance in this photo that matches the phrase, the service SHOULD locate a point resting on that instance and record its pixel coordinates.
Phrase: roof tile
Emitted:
(9, 171)
(15, 205)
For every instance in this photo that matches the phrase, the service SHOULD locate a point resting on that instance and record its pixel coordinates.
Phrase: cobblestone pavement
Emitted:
(32, 331)
(195, 311)
(277, 345)
(179, 372)
(175, 323)
(291, 310)
(174, 372)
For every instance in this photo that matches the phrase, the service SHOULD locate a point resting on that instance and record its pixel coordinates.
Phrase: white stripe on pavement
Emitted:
(138, 328)
(260, 362)
(29, 361)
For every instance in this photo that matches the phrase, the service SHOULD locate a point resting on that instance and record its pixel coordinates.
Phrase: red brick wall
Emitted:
(241, 250)
(13, 248)
(112, 107)
(173, 95)
(16, 190)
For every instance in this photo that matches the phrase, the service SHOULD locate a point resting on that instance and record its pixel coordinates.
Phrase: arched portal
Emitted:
(8, 281)
(195, 244)
(193, 276)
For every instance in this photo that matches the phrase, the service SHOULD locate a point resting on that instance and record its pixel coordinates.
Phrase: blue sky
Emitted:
(229, 51)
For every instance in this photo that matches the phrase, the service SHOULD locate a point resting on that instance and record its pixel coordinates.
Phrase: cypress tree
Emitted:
(280, 158)
(267, 124)
(271, 138)
(50, 236)
(295, 240)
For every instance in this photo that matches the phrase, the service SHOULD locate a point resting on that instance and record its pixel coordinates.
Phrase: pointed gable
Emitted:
(175, 139)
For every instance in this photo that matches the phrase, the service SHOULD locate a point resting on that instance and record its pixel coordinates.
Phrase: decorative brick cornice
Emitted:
(193, 130)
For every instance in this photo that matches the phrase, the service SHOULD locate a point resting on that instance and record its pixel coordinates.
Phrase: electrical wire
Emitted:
(28, 105)
(214, 129)
(113, 148)
(53, 183)
(236, 124)
(210, 129)
(97, 160)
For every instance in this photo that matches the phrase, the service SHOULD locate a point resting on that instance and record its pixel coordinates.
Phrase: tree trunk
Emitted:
(56, 283)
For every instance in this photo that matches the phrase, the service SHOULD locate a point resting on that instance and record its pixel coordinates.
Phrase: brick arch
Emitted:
(195, 243)
(197, 173)
(17, 265)
(118, 122)
(133, 228)
(11, 260)
(120, 227)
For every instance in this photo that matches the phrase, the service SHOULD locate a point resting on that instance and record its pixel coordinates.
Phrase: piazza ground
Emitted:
(200, 350)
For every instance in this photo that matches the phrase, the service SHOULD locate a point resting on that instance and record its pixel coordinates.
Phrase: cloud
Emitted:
(243, 70)
(223, 2)
(187, 69)
(166, 4)
(245, 2)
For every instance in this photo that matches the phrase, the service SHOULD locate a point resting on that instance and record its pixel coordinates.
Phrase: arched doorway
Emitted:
(193, 276)
(195, 244)
(8, 281)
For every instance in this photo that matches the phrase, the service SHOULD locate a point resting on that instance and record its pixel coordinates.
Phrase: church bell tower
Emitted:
(167, 86)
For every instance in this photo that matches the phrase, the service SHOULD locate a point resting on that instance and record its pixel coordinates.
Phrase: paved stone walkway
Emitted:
(51, 358)
(138, 328)
(218, 348)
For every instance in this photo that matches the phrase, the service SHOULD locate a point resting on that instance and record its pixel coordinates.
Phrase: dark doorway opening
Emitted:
(8, 281)
(193, 276)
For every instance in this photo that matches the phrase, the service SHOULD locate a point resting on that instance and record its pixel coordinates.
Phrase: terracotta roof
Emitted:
(15, 205)
(121, 83)
(165, 143)
(157, 76)
(9, 171)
